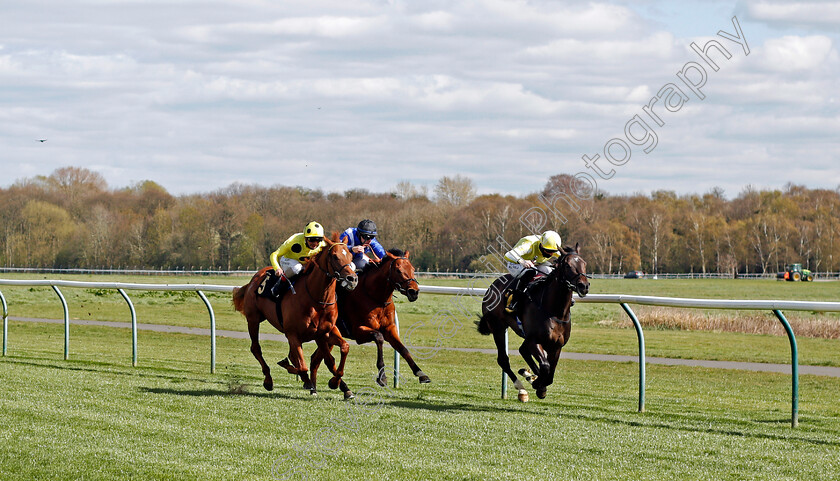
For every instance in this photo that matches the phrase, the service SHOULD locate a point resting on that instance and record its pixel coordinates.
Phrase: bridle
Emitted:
(334, 275)
(335, 272)
(401, 286)
(571, 283)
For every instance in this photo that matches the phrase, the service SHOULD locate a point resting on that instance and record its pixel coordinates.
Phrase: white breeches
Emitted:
(290, 267)
(516, 268)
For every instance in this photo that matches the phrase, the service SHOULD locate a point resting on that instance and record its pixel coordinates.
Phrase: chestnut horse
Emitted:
(307, 313)
(545, 320)
(368, 311)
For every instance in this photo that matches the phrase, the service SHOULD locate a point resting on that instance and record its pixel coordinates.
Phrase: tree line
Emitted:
(71, 218)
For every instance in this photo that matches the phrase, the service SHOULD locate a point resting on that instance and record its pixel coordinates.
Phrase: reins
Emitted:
(399, 285)
(334, 276)
(561, 275)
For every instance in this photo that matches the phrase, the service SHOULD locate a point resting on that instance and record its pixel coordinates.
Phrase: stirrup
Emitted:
(511, 304)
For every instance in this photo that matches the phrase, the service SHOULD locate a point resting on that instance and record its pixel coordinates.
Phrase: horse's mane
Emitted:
(310, 263)
(370, 266)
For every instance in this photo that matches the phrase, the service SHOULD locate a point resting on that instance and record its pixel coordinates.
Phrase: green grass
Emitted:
(447, 321)
(95, 417)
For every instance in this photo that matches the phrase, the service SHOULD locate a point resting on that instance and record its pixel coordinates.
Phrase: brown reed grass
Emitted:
(752, 323)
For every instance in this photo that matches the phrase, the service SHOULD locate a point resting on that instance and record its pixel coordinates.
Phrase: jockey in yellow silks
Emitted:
(290, 256)
(530, 255)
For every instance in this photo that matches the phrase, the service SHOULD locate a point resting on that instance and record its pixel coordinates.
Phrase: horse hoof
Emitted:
(541, 393)
(382, 381)
(285, 364)
(349, 395)
(268, 384)
(527, 375)
(313, 392)
(523, 395)
(308, 385)
(333, 384)
(424, 379)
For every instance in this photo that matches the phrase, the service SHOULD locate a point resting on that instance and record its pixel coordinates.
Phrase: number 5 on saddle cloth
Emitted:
(273, 286)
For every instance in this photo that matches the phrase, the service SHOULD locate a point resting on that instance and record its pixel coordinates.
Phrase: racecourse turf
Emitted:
(96, 417)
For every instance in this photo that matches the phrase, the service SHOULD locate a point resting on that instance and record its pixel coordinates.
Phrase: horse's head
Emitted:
(401, 274)
(340, 264)
(572, 269)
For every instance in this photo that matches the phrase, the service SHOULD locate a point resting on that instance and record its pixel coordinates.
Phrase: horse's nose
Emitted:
(412, 294)
(350, 282)
(583, 288)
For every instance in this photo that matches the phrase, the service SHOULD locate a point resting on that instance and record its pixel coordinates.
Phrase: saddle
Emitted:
(264, 289)
(267, 288)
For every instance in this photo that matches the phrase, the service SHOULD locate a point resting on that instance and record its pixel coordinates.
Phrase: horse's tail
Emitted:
(239, 292)
(239, 297)
(483, 324)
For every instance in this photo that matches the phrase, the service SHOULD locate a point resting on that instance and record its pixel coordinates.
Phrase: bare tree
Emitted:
(455, 191)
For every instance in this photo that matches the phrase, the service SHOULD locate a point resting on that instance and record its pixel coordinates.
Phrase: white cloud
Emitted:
(793, 53)
(498, 90)
(820, 14)
(320, 26)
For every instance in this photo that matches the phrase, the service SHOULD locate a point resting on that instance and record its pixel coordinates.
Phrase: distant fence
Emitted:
(776, 306)
(465, 274)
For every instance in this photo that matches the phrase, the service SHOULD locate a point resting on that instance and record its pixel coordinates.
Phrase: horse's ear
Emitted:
(577, 247)
(335, 236)
(329, 242)
(407, 253)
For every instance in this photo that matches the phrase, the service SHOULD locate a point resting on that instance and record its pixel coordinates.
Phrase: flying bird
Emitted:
(42, 140)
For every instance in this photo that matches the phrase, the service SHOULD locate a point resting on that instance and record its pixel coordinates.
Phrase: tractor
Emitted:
(795, 272)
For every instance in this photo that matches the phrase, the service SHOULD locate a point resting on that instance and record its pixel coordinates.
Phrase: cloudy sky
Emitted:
(198, 94)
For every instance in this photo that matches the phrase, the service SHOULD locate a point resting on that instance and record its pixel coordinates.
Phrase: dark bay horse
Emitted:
(307, 314)
(368, 311)
(545, 320)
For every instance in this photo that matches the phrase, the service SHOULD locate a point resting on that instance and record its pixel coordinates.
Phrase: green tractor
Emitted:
(795, 272)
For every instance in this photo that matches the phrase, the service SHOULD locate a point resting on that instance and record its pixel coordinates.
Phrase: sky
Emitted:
(197, 95)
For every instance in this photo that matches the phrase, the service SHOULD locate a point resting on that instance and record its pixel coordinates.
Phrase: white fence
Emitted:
(247, 273)
(776, 306)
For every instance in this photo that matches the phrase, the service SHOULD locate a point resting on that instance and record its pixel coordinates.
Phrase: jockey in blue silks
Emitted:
(361, 241)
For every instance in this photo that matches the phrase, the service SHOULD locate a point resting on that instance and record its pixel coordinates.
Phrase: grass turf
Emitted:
(95, 417)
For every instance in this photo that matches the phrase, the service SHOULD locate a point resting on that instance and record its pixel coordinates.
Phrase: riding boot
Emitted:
(519, 290)
(279, 288)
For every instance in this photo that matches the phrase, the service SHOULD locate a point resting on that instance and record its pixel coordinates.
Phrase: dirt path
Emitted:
(743, 366)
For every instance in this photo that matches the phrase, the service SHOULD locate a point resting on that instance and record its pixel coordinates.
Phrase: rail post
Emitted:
(66, 323)
(641, 336)
(212, 332)
(5, 321)
(794, 369)
(396, 354)
(504, 376)
(133, 327)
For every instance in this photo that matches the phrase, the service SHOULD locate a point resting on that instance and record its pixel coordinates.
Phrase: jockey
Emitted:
(361, 241)
(288, 258)
(530, 255)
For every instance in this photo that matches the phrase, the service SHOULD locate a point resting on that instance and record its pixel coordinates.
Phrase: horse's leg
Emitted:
(296, 363)
(393, 339)
(337, 382)
(314, 363)
(344, 346)
(256, 350)
(553, 359)
(544, 369)
(365, 334)
(527, 350)
(504, 362)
